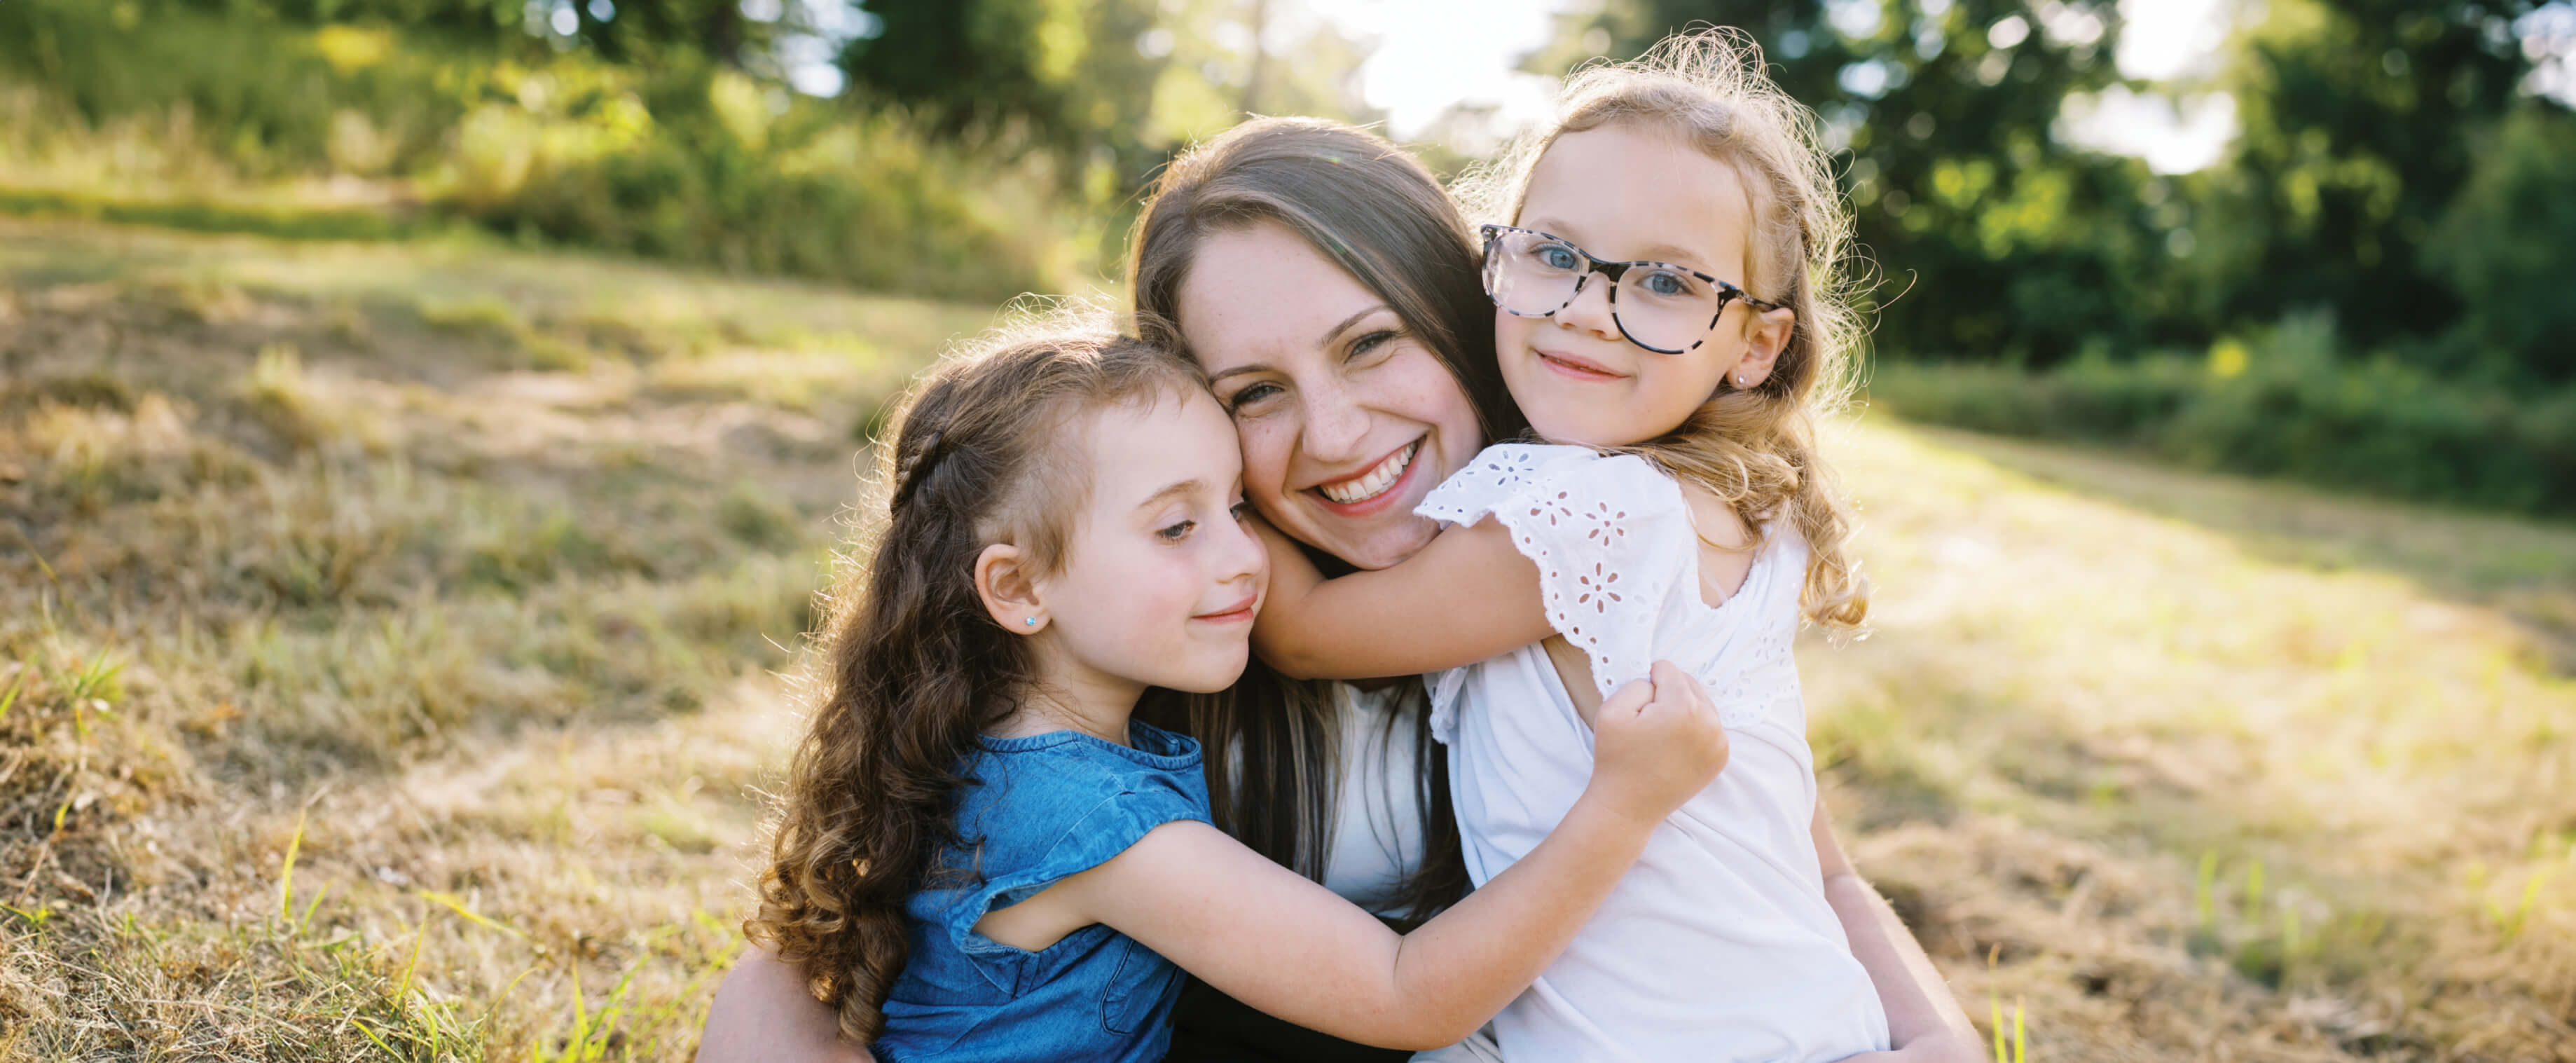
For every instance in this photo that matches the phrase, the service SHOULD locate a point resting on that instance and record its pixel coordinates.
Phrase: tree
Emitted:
(2360, 120)
(2019, 247)
(1117, 81)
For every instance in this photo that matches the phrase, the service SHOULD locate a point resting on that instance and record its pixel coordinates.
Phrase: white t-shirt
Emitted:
(1719, 944)
(1377, 822)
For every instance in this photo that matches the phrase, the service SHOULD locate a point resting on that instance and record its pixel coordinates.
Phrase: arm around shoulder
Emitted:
(1286, 945)
(1467, 596)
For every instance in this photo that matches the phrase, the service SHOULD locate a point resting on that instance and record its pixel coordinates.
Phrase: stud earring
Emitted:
(1033, 621)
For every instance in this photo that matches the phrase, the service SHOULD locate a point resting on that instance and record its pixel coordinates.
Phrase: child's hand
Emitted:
(1656, 742)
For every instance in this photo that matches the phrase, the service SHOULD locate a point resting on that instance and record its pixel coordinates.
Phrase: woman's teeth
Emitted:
(1377, 481)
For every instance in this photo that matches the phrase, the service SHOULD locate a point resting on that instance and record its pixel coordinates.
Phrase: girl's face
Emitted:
(1160, 578)
(1346, 419)
(1627, 194)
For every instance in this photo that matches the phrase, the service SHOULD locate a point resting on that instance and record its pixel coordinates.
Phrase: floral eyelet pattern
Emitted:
(1618, 564)
(1598, 589)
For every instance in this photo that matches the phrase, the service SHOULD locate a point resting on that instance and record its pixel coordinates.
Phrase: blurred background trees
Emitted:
(2370, 282)
(2360, 125)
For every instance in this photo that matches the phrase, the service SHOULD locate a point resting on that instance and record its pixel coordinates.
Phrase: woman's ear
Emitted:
(1009, 589)
(1766, 334)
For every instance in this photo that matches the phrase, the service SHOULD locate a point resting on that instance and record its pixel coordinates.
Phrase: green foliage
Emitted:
(2026, 250)
(1054, 63)
(269, 103)
(862, 199)
(2503, 243)
(1107, 88)
(2277, 404)
(684, 158)
(2358, 118)
(2389, 169)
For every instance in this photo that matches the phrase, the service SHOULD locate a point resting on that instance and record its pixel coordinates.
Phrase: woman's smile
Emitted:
(1351, 495)
(1347, 418)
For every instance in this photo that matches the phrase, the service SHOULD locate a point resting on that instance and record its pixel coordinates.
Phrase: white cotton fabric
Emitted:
(1377, 806)
(1719, 944)
(1377, 811)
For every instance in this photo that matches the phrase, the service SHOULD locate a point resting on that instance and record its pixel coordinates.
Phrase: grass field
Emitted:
(394, 639)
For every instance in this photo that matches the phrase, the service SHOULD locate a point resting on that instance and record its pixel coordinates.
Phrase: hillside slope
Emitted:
(394, 639)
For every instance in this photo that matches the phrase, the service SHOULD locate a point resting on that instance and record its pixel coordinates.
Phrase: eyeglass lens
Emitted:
(1534, 275)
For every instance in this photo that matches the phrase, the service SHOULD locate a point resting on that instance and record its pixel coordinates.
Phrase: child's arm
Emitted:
(1923, 1018)
(762, 1014)
(1467, 596)
(1288, 946)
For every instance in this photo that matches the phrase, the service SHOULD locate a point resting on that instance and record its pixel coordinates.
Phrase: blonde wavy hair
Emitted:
(1753, 448)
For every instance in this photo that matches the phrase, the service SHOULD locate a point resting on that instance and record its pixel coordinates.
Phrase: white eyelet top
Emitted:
(1719, 943)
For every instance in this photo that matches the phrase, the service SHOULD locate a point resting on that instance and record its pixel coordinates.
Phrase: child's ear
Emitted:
(1009, 589)
(1766, 334)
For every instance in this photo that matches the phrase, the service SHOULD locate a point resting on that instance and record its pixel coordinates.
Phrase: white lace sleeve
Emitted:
(1609, 532)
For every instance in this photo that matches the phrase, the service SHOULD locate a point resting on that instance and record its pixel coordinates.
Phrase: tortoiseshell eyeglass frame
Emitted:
(1726, 291)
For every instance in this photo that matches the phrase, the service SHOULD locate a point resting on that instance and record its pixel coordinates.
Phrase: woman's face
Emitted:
(1347, 419)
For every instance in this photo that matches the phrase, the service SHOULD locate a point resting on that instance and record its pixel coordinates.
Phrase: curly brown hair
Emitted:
(917, 667)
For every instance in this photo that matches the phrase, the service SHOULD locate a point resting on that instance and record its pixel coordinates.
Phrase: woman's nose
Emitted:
(1335, 426)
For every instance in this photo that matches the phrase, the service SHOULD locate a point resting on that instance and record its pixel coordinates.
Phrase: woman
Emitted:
(1329, 288)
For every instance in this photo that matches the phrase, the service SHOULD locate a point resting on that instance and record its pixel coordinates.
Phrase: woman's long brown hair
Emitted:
(917, 667)
(1369, 207)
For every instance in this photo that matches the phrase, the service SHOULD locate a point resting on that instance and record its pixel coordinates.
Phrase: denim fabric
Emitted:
(1042, 807)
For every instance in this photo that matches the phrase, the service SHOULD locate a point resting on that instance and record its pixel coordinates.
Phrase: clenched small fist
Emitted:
(1656, 743)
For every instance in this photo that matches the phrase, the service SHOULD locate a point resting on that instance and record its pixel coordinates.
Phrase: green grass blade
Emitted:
(1995, 1022)
(457, 905)
(16, 683)
(402, 989)
(371, 1035)
(286, 872)
(307, 920)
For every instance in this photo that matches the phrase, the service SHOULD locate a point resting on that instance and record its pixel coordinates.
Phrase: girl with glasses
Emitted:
(1671, 321)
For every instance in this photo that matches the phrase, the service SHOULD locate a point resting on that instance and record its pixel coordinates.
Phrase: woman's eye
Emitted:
(1242, 511)
(1176, 532)
(1251, 394)
(1371, 341)
(1556, 256)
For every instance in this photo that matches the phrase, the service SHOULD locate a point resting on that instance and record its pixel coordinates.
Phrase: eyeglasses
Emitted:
(1666, 309)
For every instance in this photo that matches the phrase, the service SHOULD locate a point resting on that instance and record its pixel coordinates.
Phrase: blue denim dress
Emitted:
(1045, 807)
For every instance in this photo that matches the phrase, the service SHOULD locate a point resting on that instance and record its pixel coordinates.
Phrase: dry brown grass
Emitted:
(478, 567)
(2215, 769)
(475, 565)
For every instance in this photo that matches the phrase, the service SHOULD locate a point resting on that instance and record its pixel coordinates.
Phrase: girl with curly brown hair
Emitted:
(984, 856)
